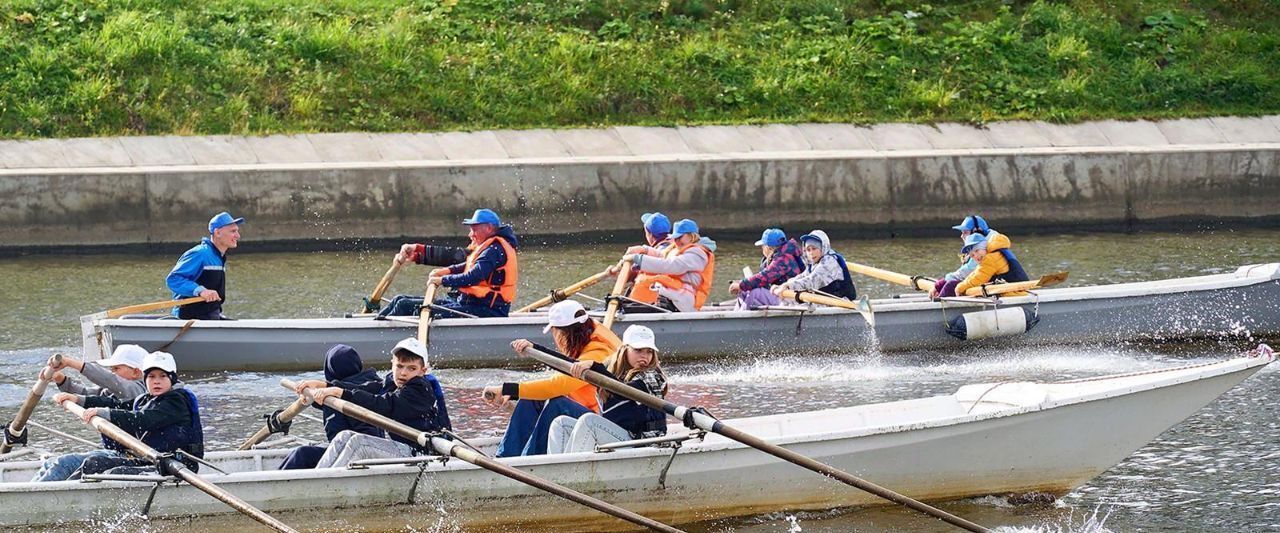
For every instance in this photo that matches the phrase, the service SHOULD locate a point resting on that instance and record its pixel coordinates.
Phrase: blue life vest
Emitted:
(1015, 272)
(442, 411)
(170, 438)
(844, 286)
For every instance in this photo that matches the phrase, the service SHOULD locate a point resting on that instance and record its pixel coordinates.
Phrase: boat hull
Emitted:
(983, 440)
(1244, 304)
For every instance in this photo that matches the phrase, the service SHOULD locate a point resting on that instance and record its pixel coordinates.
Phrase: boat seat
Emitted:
(1015, 394)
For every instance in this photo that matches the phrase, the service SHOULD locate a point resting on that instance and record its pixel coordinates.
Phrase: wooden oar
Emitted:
(449, 448)
(374, 301)
(281, 419)
(16, 432)
(708, 423)
(142, 308)
(168, 464)
(561, 294)
(992, 289)
(862, 306)
(919, 283)
(611, 312)
(424, 316)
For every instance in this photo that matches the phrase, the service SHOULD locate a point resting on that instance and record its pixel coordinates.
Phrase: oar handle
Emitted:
(173, 465)
(449, 448)
(561, 294)
(708, 423)
(285, 416)
(424, 316)
(16, 430)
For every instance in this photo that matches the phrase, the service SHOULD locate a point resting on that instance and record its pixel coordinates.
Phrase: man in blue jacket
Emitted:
(410, 395)
(201, 271)
(485, 282)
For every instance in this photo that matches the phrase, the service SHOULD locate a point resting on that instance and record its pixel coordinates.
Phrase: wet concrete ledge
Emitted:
(357, 190)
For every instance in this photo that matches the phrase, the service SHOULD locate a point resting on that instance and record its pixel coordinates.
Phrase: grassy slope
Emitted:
(99, 67)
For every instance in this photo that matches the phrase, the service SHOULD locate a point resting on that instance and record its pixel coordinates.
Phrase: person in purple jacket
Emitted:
(782, 261)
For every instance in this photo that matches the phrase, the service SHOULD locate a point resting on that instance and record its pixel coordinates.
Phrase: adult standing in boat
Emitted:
(996, 263)
(946, 285)
(541, 401)
(825, 269)
(166, 417)
(118, 376)
(343, 368)
(782, 261)
(486, 281)
(410, 395)
(202, 270)
(678, 277)
(636, 364)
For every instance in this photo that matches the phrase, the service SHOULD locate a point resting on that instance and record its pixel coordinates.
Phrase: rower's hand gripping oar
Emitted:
(374, 302)
(277, 422)
(170, 466)
(16, 432)
(706, 422)
(558, 295)
(449, 448)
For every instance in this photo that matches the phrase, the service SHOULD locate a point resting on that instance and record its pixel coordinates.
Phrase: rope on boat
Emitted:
(185, 328)
(68, 436)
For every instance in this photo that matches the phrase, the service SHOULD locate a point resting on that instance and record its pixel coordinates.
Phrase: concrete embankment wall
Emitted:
(879, 180)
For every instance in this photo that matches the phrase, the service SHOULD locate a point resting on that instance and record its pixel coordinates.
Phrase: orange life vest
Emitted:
(482, 290)
(673, 281)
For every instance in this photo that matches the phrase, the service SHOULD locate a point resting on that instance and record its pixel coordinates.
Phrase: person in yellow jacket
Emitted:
(539, 402)
(996, 262)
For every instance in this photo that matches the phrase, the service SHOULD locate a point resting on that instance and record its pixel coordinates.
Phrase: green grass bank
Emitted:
(152, 67)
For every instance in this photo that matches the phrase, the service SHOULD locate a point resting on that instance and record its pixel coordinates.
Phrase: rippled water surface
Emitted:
(1217, 471)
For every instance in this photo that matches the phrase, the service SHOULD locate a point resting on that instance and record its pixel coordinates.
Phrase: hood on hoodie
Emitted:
(824, 241)
(997, 241)
(341, 363)
(708, 243)
(509, 234)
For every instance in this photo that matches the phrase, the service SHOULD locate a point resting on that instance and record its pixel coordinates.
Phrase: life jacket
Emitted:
(442, 411)
(170, 438)
(1015, 273)
(510, 271)
(844, 286)
(639, 420)
(675, 281)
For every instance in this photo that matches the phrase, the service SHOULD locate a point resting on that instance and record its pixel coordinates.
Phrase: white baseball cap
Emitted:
(413, 346)
(130, 355)
(638, 336)
(161, 360)
(565, 314)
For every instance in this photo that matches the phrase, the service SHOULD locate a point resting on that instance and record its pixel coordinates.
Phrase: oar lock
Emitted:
(275, 425)
(11, 440)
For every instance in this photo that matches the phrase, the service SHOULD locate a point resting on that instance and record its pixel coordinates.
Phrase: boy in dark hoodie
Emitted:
(166, 418)
(343, 368)
(410, 395)
(485, 282)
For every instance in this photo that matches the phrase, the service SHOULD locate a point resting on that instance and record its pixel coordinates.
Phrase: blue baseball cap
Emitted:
(223, 219)
(772, 237)
(483, 216)
(972, 223)
(974, 240)
(683, 227)
(656, 223)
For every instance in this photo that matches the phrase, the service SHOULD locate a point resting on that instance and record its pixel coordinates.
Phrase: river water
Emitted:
(1217, 471)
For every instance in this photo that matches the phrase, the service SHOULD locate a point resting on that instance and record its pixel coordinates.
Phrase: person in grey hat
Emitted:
(201, 271)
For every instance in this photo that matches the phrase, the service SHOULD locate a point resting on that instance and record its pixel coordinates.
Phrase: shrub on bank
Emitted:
(101, 67)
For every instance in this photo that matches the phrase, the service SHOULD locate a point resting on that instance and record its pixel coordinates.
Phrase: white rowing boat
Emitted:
(991, 438)
(1240, 304)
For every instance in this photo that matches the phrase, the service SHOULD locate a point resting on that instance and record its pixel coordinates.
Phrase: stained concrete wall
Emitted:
(900, 178)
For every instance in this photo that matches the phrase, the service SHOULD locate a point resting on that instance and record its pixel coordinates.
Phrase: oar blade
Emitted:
(1050, 280)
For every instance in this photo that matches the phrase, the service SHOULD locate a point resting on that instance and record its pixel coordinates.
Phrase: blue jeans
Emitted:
(61, 467)
(531, 422)
(404, 305)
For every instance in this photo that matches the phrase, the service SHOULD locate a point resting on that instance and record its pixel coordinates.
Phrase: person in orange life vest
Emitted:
(539, 402)
(486, 282)
(678, 277)
(996, 263)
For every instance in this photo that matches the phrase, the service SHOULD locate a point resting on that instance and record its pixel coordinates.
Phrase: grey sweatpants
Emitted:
(349, 446)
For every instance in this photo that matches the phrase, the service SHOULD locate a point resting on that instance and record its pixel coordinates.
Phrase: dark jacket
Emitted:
(166, 422)
(785, 263)
(202, 267)
(489, 260)
(639, 420)
(419, 404)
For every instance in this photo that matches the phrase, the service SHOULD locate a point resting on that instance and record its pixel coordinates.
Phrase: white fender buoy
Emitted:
(993, 323)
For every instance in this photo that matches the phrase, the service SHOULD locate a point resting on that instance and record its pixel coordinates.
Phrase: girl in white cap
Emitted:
(540, 401)
(636, 364)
